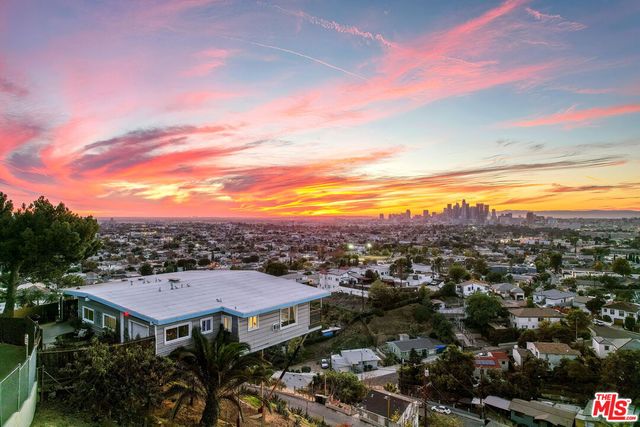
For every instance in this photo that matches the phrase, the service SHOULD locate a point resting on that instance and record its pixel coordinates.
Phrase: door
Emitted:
(137, 330)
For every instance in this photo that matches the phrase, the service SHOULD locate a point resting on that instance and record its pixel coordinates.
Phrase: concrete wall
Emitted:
(24, 416)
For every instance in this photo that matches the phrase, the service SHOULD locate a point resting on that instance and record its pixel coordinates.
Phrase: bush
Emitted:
(121, 384)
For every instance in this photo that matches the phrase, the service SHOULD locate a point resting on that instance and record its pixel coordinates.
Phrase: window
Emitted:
(226, 323)
(252, 323)
(109, 322)
(87, 314)
(206, 325)
(606, 348)
(177, 332)
(288, 316)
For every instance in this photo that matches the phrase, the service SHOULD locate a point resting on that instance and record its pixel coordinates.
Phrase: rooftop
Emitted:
(535, 312)
(167, 298)
(622, 305)
(555, 348)
(416, 343)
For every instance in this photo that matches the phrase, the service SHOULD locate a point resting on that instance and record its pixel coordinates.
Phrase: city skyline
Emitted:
(236, 109)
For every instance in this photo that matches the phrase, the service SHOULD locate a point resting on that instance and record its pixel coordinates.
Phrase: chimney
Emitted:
(404, 337)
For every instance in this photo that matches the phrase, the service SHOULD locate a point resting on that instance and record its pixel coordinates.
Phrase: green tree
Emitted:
(382, 295)
(452, 373)
(276, 268)
(345, 386)
(213, 371)
(146, 269)
(482, 308)
(555, 261)
(41, 241)
(442, 328)
(458, 273)
(121, 383)
(629, 323)
(621, 373)
(621, 266)
(578, 320)
(594, 305)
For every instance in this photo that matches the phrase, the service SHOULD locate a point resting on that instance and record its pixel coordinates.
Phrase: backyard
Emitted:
(10, 355)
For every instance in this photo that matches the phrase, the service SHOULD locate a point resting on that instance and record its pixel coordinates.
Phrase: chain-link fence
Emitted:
(16, 387)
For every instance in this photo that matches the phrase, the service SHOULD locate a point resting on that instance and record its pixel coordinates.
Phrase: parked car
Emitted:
(441, 409)
(324, 363)
(598, 322)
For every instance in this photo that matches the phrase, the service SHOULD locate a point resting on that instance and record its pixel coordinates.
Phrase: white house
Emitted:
(553, 298)
(356, 360)
(552, 352)
(470, 287)
(508, 291)
(606, 340)
(332, 279)
(530, 318)
(619, 310)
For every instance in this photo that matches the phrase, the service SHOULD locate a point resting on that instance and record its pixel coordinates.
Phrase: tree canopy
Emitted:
(40, 241)
(482, 308)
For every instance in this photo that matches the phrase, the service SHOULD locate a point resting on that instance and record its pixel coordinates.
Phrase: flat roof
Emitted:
(243, 293)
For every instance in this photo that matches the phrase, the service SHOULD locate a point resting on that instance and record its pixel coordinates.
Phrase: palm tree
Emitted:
(213, 371)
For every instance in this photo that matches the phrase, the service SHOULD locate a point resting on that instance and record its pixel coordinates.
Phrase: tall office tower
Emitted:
(408, 213)
(381, 216)
(494, 217)
(425, 213)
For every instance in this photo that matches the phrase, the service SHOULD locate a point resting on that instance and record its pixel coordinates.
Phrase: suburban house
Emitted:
(619, 310)
(606, 340)
(508, 291)
(356, 360)
(470, 287)
(334, 278)
(425, 347)
(552, 352)
(493, 360)
(553, 298)
(254, 307)
(382, 408)
(530, 318)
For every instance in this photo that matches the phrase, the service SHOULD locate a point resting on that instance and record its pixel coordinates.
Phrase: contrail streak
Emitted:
(301, 55)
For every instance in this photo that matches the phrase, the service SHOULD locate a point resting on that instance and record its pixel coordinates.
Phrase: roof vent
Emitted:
(159, 289)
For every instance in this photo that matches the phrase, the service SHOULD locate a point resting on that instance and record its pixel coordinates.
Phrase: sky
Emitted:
(264, 109)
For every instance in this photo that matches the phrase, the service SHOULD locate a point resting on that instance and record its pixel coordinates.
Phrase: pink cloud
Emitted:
(579, 117)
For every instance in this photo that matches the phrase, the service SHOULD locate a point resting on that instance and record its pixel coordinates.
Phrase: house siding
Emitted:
(164, 349)
(98, 311)
(264, 336)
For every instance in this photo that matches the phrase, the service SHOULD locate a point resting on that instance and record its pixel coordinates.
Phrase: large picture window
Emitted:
(88, 314)
(288, 316)
(109, 322)
(177, 332)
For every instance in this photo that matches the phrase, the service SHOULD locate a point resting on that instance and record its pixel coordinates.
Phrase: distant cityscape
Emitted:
(465, 213)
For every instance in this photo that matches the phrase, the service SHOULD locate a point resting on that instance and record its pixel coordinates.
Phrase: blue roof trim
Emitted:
(223, 309)
(110, 304)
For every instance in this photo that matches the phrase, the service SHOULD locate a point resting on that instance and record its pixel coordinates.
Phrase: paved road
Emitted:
(317, 410)
(468, 419)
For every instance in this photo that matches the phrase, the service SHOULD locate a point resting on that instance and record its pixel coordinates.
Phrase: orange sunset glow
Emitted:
(270, 109)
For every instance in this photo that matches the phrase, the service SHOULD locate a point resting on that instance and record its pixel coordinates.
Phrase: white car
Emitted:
(598, 322)
(441, 409)
(324, 364)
